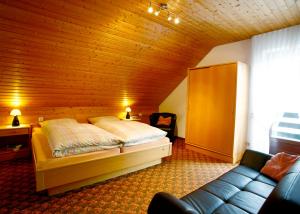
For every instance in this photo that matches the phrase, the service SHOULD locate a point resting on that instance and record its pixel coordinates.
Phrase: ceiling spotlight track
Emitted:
(163, 7)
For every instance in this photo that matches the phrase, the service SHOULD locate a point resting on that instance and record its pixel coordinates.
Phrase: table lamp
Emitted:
(15, 113)
(128, 109)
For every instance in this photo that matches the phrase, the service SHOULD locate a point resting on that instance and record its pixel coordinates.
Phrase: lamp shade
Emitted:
(15, 112)
(128, 109)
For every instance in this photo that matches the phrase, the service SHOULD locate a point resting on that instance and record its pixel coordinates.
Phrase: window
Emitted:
(274, 86)
(288, 127)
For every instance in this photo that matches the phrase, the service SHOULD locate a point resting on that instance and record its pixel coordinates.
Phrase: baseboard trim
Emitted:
(218, 156)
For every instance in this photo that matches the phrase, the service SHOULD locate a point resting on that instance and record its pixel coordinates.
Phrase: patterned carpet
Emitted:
(179, 174)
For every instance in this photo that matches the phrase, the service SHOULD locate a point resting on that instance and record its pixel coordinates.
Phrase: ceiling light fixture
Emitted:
(163, 7)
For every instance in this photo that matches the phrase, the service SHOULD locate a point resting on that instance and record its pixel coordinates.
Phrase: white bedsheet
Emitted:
(72, 139)
(131, 132)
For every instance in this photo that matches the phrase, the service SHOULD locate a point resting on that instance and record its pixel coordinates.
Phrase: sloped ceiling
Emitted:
(112, 52)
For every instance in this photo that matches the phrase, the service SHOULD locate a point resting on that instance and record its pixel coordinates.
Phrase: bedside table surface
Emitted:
(22, 126)
(9, 130)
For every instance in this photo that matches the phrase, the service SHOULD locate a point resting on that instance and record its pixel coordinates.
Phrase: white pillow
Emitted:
(62, 121)
(94, 120)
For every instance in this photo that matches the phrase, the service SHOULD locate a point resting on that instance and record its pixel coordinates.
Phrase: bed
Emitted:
(60, 174)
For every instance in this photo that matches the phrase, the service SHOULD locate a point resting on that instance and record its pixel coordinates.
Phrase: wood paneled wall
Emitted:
(113, 53)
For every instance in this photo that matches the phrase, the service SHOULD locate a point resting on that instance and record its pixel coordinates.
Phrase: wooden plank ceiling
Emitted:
(112, 53)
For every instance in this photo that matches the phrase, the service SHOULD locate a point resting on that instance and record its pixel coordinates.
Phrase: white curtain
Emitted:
(274, 82)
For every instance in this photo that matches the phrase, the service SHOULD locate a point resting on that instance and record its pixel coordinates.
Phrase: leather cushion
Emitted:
(229, 208)
(221, 189)
(236, 179)
(202, 201)
(266, 180)
(259, 188)
(246, 171)
(247, 201)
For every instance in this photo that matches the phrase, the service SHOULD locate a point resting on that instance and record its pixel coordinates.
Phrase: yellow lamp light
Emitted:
(176, 20)
(156, 13)
(128, 110)
(150, 9)
(15, 113)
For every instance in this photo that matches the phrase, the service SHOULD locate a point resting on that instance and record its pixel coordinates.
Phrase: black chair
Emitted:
(169, 129)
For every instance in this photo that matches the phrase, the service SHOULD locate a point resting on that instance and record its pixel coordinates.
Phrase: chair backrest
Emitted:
(154, 118)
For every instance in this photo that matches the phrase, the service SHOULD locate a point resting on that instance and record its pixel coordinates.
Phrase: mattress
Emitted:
(44, 159)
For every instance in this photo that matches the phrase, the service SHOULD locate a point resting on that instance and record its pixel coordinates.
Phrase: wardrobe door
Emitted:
(211, 108)
(195, 113)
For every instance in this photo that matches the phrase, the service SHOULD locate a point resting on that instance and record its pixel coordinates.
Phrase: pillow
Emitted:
(164, 121)
(278, 165)
(94, 120)
(62, 121)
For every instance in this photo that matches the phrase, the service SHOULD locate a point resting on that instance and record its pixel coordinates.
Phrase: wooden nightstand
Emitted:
(15, 142)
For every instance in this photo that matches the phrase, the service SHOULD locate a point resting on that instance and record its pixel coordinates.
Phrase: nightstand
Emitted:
(15, 142)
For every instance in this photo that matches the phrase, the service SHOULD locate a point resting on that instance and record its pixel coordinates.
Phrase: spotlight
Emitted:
(163, 7)
(150, 9)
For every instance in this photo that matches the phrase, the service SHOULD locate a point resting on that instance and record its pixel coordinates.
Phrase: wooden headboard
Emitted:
(30, 114)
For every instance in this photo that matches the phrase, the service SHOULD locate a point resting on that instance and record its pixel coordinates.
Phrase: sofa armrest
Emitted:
(254, 159)
(166, 203)
(285, 198)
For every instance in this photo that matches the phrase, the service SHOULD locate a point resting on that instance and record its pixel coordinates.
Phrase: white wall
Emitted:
(176, 102)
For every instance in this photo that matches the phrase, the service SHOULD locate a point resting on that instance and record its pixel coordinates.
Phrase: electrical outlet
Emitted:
(41, 119)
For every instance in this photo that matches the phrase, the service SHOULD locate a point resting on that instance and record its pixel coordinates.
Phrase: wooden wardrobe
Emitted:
(217, 110)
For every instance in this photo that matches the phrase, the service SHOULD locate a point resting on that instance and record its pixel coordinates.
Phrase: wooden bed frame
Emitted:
(59, 178)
